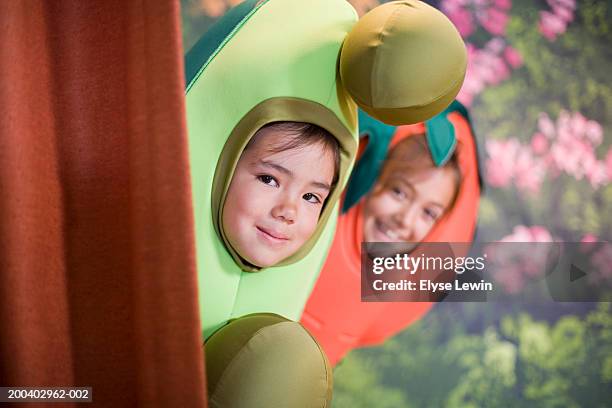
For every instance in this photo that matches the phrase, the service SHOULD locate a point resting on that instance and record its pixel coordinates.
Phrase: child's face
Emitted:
(406, 203)
(275, 199)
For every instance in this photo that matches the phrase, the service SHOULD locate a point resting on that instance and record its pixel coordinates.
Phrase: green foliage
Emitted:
(356, 385)
(519, 362)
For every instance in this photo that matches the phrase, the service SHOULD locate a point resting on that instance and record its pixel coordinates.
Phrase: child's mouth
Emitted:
(271, 235)
(384, 232)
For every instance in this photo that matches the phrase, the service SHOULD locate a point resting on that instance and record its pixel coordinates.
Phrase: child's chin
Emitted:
(262, 261)
(388, 249)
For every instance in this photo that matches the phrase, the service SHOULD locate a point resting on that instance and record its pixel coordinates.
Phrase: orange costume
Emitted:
(334, 313)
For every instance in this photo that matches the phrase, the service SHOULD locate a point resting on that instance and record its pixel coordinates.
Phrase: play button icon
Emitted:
(576, 273)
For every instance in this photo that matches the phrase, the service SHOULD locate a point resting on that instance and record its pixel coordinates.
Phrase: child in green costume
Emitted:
(280, 185)
(291, 61)
(278, 190)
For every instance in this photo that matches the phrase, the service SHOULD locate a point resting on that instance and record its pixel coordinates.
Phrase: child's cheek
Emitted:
(261, 196)
(311, 219)
(382, 203)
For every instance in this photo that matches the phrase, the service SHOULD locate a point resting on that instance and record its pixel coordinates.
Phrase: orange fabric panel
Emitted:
(98, 280)
(334, 313)
(34, 308)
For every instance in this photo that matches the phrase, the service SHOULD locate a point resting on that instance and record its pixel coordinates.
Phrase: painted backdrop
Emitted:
(540, 95)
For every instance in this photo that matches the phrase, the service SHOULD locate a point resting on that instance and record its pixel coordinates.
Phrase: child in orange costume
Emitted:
(334, 313)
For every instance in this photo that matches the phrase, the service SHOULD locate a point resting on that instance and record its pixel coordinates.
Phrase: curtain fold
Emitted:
(97, 278)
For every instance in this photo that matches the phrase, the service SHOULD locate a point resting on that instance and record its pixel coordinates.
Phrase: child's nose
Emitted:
(405, 220)
(286, 212)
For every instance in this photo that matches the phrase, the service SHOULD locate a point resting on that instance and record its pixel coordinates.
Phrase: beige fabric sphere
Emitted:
(403, 62)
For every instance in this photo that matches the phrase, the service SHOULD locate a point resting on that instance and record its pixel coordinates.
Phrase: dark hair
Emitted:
(299, 135)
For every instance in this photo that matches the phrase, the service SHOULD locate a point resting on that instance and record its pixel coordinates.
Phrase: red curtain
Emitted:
(97, 264)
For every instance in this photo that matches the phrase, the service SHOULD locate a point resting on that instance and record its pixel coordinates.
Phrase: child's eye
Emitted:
(311, 198)
(398, 193)
(268, 180)
(432, 215)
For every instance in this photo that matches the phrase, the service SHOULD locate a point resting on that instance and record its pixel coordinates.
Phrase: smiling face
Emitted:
(410, 196)
(275, 197)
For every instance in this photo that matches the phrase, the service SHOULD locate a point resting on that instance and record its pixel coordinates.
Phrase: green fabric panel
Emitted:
(367, 169)
(286, 49)
(206, 46)
(264, 360)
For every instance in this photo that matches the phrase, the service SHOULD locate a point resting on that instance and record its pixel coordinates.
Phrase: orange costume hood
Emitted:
(334, 313)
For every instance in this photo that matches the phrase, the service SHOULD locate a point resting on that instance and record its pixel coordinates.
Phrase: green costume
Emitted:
(302, 61)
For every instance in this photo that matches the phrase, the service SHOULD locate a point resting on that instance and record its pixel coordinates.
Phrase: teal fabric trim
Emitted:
(215, 38)
(366, 170)
(441, 133)
(456, 106)
(440, 139)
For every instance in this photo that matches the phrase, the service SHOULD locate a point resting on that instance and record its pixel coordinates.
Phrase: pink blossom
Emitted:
(497, 177)
(588, 238)
(567, 159)
(534, 263)
(511, 278)
(535, 233)
(564, 14)
(553, 23)
(462, 20)
(568, 4)
(500, 164)
(503, 4)
(494, 21)
(510, 160)
(492, 15)
(520, 233)
(513, 57)
(594, 132)
(486, 66)
(567, 146)
(514, 265)
(528, 171)
(546, 125)
(577, 123)
(572, 147)
(539, 143)
(597, 174)
(540, 234)
(495, 45)
(601, 260)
